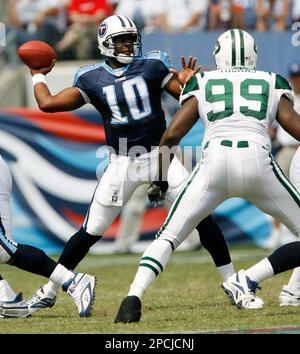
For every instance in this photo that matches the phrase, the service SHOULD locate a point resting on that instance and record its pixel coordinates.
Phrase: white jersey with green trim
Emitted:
(237, 103)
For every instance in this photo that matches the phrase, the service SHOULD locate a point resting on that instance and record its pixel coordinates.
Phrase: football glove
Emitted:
(157, 192)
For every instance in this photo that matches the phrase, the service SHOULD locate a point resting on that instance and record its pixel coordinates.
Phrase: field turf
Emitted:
(185, 298)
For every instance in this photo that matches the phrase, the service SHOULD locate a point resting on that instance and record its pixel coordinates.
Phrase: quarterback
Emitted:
(126, 90)
(237, 103)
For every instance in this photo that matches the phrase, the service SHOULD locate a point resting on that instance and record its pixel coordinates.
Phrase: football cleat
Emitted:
(229, 297)
(14, 309)
(288, 297)
(39, 300)
(81, 289)
(130, 310)
(240, 290)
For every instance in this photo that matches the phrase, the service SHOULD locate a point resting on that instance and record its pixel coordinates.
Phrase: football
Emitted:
(36, 54)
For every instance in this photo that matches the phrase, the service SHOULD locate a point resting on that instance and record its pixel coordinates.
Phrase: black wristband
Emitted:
(164, 185)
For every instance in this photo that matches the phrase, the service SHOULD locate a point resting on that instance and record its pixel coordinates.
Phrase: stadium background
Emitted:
(53, 157)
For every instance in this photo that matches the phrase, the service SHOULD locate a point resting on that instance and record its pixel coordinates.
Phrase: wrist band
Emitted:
(38, 78)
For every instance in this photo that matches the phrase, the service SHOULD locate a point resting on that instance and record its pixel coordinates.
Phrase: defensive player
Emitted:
(126, 90)
(290, 293)
(237, 103)
(79, 286)
(6, 292)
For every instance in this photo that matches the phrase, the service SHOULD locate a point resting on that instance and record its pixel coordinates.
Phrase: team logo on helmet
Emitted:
(102, 29)
(217, 48)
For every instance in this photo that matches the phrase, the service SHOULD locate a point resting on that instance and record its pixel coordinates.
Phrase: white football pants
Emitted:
(295, 169)
(225, 171)
(100, 214)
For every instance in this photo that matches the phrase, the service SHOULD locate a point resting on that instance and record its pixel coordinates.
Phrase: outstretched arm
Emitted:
(180, 78)
(66, 100)
(288, 118)
(183, 121)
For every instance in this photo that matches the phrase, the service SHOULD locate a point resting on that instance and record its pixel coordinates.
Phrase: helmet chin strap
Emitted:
(124, 59)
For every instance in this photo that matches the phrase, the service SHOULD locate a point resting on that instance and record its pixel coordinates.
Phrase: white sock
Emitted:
(260, 271)
(226, 271)
(152, 263)
(294, 282)
(51, 288)
(6, 292)
(61, 275)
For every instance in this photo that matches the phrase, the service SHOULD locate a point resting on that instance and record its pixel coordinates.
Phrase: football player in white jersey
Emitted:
(126, 90)
(237, 103)
(290, 293)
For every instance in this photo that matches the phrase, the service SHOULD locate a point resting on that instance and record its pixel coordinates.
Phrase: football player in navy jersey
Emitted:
(126, 90)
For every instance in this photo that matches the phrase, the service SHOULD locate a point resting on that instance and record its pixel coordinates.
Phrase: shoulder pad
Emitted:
(159, 55)
(84, 69)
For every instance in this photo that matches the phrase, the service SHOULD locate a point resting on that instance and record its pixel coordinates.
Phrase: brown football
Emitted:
(36, 54)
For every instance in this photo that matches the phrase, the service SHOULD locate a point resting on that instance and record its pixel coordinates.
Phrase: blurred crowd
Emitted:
(69, 25)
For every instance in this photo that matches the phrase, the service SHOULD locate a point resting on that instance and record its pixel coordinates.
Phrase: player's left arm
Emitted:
(181, 124)
(288, 118)
(180, 78)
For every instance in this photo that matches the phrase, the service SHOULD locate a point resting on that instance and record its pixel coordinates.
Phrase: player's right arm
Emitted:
(288, 118)
(66, 100)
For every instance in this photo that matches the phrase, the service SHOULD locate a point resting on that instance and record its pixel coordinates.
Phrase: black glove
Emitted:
(157, 192)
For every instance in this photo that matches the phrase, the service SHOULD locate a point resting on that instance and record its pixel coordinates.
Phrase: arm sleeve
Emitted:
(168, 64)
(161, 69)
(191, 88)
(282, 87)
(79, 84)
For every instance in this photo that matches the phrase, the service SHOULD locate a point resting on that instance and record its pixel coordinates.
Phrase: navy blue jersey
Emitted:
(128, 98)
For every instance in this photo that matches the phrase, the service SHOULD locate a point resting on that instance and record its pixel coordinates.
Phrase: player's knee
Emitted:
(96, 227)
(4, 256)
(83, 233)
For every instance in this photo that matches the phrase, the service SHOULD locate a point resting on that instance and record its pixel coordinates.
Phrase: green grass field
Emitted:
(185, 298)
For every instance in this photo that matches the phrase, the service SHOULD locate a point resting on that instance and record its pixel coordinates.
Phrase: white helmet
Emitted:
(115, 26)
(235, 48)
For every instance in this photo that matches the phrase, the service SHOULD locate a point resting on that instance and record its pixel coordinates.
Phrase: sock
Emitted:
(76, 248)
(286, 257)
(260, 271)
(33, 260)
(226, 271)
(152, 263)
(6, 292)
(50, 289)
(60, 275)
(212, 239)
(294, 282)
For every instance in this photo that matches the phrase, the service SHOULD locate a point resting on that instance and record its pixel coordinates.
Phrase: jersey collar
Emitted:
(116, 72)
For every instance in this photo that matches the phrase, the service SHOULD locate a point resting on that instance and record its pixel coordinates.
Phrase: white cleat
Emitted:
(14, 309)
(240, 290)
(288, 297)
(39, 300)
(81, 289)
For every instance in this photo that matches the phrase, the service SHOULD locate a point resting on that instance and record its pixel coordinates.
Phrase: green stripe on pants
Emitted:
(284, 181)
(178, 199)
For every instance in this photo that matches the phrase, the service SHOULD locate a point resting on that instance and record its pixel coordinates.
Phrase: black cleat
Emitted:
(130, 310)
